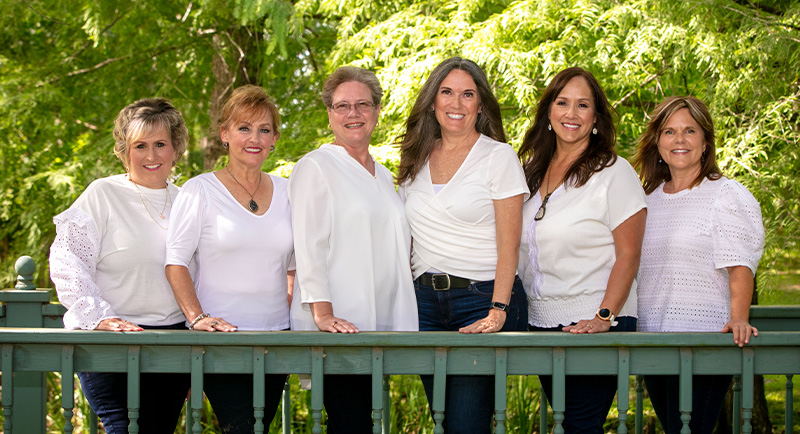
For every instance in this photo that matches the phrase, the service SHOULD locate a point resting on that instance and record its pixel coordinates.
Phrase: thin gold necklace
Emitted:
(252, 205)
(144, 198)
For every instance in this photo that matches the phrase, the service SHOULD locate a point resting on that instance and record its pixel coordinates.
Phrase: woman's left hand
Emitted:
(741, 330)
(492, 323)
(594, 325)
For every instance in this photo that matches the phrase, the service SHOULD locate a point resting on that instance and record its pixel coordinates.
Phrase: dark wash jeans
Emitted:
(708, 396)
(469, 399)
(161, 397)
(588, 398)
(231, 397)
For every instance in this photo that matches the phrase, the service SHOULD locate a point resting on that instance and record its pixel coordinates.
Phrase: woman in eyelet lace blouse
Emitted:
(107, 261)
(703, 240)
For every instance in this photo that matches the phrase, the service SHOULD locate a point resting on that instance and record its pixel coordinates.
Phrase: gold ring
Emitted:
(335, 322)
(590, 326)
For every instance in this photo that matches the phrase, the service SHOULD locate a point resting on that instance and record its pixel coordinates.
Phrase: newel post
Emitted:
(24, 307)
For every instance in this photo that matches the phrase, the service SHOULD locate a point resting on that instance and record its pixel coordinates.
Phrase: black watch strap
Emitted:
(502, 306)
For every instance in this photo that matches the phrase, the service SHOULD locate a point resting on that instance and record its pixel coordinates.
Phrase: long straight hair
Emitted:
(539, 145)
(422, 128)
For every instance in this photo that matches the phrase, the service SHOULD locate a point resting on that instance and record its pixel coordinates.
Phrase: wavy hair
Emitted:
(539, 145)
(422, 128)
(141, 118)
(652, 170)
(346, 74)
(247, 102)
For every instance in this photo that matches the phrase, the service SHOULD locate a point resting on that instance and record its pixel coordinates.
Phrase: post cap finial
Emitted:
(25, 267)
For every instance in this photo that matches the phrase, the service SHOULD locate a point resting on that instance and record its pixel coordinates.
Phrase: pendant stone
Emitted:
(253, 205)
(539, 214)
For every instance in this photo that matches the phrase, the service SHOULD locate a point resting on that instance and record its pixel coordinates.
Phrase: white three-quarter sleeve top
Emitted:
(352, 244)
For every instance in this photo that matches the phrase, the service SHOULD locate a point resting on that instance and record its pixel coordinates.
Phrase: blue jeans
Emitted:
(588, 398)
(348, 403)
(708, 396)
(469, 399)
(161, 397)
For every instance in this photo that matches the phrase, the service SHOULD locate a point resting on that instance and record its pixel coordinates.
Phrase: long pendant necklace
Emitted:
(542, 209)
(252, 205)
(144, 198)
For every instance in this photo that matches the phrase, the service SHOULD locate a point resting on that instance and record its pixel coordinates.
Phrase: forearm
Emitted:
(741, 285)
(619, 283)
(508, 215)
(183, 288)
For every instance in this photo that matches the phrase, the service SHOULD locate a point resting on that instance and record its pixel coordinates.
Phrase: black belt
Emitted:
(443, 282)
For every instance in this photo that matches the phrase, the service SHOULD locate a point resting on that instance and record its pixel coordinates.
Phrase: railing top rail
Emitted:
(388, 339)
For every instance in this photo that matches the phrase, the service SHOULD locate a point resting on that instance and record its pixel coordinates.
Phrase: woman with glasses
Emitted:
(352, 241)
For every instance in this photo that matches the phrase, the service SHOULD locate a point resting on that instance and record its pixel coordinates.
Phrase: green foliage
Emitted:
(67, 68)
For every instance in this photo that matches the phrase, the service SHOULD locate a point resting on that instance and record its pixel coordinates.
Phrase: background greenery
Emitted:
(68, 66)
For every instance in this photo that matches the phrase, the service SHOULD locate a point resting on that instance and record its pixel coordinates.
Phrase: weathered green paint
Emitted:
(259, 388)
(377, 389)
(623, 376)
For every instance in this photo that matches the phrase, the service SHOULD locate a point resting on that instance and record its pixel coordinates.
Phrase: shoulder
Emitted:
(110, 183)
(490, 146)
(199, 181)
(278, 182)
(729, 192)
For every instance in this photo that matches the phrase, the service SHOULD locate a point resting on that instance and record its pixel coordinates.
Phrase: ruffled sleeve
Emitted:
(73, 261)
(738, 230)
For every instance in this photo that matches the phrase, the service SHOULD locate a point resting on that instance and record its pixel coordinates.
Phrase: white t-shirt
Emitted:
(242, 258)
(352, 244)
(454, 230)
(690, 238)
(566, 258)
(107, 260)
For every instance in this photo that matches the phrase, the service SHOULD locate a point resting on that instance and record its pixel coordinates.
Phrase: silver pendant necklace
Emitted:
(252, 205)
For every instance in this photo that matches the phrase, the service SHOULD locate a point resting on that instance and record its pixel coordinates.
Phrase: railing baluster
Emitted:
(316, 388)
(559, 388)
(8, 385)
(542, 409)
(789, 405)
(747, 389)
(67, 386)
(737, 404)
(639, 404)
(439, 388)
(92, 421)
(685, 389)
(286, 408)
(133, 388)
(258, 388)
(197, 388)
(377, 389)
(387, 407)
(500, 375)
(623, 378)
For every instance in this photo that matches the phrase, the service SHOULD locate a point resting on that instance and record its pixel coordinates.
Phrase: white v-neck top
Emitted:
(454, 230)
(352, 243)
(242, 258)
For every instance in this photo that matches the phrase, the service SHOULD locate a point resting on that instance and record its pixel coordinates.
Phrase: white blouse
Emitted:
(454, 229)
(107, 260)
(242, 258)
(352, 244)
(689, 240)
(566, 258)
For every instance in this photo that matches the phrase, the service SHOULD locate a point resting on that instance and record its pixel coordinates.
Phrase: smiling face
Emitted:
(572, 113)
(250, 139)
(354, 128)
(457, 103)
(150, 158)
(681, 143)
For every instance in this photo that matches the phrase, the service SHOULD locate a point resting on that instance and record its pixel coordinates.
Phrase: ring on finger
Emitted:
(213, 323)
(590, 326)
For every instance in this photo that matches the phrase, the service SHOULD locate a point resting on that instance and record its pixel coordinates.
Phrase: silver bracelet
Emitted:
(197, 320)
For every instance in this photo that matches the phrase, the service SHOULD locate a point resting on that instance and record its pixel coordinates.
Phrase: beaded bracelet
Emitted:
(197, 320)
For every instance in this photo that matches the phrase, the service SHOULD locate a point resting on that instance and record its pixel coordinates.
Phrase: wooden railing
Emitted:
(29, 348)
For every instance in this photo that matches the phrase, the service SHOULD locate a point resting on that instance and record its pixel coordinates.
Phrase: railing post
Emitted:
(23, 308)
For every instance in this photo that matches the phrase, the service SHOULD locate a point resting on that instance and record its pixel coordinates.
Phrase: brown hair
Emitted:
(246, 102)
(142, 117)
(422, 128)
(652, 171)
(539, 145)
(351, 73)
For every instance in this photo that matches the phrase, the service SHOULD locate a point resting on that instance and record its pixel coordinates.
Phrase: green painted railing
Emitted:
(32, 347)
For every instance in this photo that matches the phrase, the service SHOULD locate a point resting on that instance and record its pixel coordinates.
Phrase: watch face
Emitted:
(604, 313)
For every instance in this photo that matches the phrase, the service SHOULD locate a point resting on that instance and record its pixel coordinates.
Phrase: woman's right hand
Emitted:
(330, 323)
(117, 325)
(214, 324)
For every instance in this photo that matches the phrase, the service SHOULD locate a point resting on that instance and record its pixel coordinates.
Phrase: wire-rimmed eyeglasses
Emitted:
(343, 108)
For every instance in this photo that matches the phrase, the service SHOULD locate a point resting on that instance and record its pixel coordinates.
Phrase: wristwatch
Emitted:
(502, 306)
(605, 314)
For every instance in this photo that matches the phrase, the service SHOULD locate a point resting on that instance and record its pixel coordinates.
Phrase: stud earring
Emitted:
(549, 127)
(271, 148)
(225, 145)
(660, 160)
(594, 131)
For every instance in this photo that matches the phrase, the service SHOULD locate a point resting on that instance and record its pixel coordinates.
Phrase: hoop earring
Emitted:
(225, 145)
